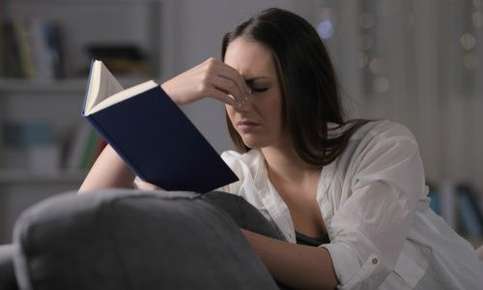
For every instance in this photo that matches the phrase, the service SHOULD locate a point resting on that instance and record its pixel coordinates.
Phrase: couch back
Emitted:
(126, 239)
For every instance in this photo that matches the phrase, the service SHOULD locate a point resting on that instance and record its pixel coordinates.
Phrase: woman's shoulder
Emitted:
(384, 142)
(382, 129)
(378, 138)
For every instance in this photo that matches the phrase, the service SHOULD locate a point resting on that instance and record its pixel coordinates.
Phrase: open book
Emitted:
(152, 135)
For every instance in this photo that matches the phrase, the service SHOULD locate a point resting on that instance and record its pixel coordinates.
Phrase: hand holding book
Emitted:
(152, 135)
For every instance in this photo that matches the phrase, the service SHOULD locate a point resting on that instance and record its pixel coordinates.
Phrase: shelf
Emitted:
(31, 86)
(69, 86)
(26, 177)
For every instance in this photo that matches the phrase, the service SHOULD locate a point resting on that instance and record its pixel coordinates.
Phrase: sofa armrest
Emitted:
(7, 275)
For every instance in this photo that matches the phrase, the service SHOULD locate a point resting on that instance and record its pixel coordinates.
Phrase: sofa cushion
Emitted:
(129, 239)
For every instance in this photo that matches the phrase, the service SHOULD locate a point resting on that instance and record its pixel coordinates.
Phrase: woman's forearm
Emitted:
(297, 266)
(108, 171)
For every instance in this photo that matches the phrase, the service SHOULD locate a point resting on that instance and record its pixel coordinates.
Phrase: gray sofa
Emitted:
(127, 239)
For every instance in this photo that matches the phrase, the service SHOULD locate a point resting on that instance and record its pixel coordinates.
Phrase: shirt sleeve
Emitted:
(386, 178)
(139, 183)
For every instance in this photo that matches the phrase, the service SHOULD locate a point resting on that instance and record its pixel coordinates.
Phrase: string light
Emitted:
(470, 61)
(477, 19)
(367, 42)
(376, 66)
(325, 29)
(381, 84)
(468, 41)
(363, 60)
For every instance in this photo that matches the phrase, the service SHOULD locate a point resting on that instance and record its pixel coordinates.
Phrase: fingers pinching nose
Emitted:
(248, 95)
(237, 102)
(241, 101)
(245, 98)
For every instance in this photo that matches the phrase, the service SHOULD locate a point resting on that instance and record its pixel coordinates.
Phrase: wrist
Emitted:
(170, 92)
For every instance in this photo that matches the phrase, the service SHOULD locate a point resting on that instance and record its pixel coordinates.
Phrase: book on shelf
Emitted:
(2, 147)
(470, 213)
(83, 149)
(31, 145)
(10, 58)
(447, 197)
(31, 49)
(152, 135)
(459, 205)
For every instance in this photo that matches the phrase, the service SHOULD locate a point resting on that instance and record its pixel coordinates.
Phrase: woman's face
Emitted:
(258, 121)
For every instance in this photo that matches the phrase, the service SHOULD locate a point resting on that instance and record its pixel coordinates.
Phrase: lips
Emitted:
(246, 126)
(246, 123)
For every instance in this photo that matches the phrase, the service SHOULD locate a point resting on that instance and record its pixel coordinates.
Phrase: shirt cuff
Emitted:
(140, 184)
(345, 261)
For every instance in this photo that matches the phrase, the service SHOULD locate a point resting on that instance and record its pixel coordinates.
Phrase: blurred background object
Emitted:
(418, 62)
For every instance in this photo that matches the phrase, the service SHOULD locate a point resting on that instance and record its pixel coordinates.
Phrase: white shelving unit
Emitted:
(28, 178)
(17, 86)
(140, 22)
(75, 86)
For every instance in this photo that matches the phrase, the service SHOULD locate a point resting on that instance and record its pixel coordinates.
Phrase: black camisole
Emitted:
(309, 241)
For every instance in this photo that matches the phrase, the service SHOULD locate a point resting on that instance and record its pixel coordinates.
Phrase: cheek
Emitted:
(272, 107)
(230, 112)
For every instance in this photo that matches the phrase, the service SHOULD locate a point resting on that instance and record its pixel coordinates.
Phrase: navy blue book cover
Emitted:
(160, 144)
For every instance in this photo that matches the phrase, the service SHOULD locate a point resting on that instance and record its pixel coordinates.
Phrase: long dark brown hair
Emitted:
(308, 84)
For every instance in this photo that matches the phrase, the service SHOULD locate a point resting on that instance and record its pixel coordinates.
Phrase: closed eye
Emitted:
(259, 90)
(256, 86)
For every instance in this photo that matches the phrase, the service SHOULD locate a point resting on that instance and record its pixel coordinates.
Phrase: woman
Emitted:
(349, 197)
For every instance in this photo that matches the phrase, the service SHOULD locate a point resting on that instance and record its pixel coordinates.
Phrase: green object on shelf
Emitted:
(90, 150)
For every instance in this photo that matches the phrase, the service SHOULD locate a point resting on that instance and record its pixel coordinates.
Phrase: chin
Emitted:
(252, 143)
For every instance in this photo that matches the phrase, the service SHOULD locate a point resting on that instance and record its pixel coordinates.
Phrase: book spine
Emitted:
(12, 57)
(43, 62)
(87, 88)
(469, 216)
(448, 206)
(3, 40)
(26, 64)
(435, 202)
(89, 151)
(2, 145)
(77, 147)
(53, 39)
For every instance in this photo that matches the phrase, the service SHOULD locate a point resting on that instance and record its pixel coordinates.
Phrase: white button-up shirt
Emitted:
(373, 200)
(374, 203)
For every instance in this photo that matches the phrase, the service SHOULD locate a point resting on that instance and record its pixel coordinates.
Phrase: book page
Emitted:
(123, 95)
(102, 84)
(104, 89)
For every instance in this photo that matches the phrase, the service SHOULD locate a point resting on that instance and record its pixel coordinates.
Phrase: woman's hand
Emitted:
(212, 78)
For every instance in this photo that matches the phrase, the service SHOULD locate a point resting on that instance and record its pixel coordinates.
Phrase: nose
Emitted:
(245, 105)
